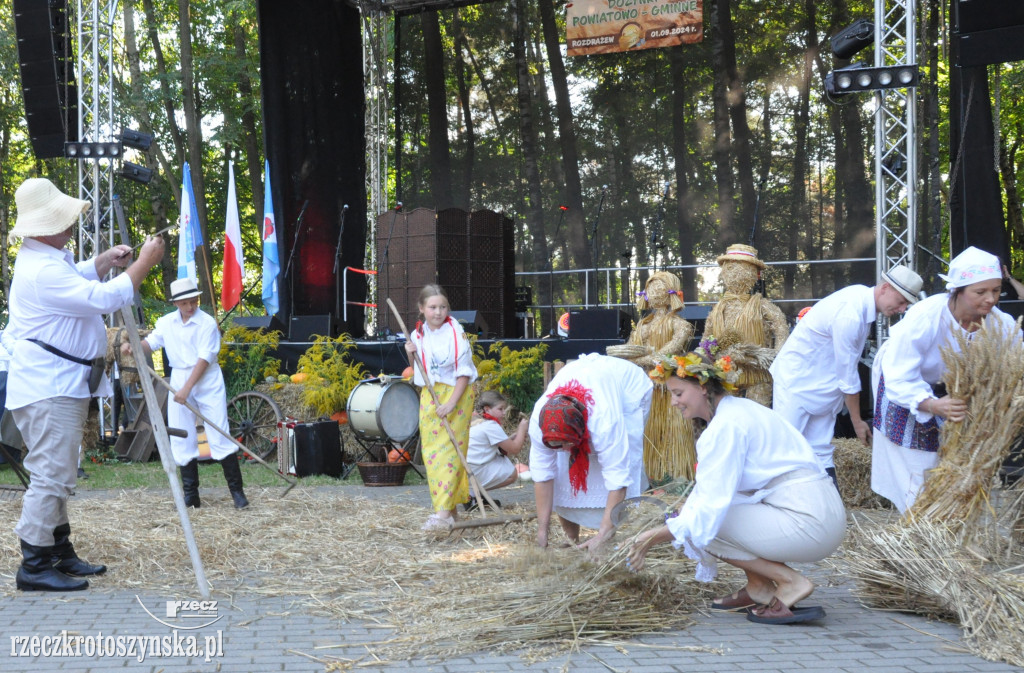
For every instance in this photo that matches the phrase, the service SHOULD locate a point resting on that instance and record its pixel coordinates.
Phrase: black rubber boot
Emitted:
(66, 560)
(233, 475)
(38, 574)
(190, 482)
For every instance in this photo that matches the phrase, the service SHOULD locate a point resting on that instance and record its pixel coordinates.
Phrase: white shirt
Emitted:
(744, 447)
(186, 342)
(620, 390)
(818, 362)
(6, 348)
(59, 303)
(911, 360)
(445, 352)
(484, 438)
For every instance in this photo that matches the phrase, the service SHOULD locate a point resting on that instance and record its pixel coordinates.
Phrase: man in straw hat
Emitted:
(56, 309)
(191, 339)
(815, 372)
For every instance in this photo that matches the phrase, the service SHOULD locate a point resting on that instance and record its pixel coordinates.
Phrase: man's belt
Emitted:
(96, 365)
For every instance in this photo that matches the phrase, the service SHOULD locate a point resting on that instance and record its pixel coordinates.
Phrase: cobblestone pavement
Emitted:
(260, 634)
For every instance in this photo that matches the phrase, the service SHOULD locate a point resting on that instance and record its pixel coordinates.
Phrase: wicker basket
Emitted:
(383, 474)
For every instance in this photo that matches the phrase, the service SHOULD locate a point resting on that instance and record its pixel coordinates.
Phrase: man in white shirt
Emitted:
(815, 372)
(56, 309)
(191, 340)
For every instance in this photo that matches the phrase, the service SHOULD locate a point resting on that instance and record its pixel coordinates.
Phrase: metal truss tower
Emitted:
(896, 188)
(94, 68)
(376, 68)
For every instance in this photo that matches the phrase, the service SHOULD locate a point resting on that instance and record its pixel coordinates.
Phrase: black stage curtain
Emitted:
(313, 106)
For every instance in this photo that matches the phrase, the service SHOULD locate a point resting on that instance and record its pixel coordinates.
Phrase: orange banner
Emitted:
(609, 26)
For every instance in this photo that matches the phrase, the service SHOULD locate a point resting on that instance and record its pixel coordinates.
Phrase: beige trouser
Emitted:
(52, 430)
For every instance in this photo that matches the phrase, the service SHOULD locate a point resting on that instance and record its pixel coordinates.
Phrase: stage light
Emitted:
(136, 139)
(85, 150)
(859, 78)
(853, 38)
(136, 173)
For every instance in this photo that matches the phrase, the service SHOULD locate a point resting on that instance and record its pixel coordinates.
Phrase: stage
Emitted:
(388, 356)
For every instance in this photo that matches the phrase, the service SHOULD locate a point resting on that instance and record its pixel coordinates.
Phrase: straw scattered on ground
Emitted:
(357, 559)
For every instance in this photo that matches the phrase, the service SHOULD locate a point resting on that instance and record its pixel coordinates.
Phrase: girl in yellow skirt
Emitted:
(444, 352)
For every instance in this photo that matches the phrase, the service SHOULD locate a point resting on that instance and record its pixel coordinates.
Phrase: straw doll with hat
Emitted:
(742, 315)
(191, 340)
(56, 322)
(668, 437)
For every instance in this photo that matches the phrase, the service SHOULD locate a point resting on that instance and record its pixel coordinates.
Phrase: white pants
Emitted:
(209, 397)
(818, 429)
(52, 431)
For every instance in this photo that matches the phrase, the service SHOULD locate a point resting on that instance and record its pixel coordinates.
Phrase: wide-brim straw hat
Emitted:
(183, 288)
(904, 281)
(44, 210)
(737, 252)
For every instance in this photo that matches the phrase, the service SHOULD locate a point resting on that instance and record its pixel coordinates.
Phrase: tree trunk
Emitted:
(194, 133)
(465, 197)
(438, 150)
(720, 117)
(252, 138)
(567, 141)
(737, 99)
(681, 157)
(530, 149)
(798, 216)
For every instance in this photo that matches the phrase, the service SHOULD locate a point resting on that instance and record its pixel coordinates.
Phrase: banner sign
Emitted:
(610, 26)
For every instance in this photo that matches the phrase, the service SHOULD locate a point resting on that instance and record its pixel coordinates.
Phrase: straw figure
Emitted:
(744, 315)
(668, 437)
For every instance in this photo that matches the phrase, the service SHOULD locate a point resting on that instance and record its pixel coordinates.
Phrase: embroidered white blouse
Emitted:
(445, 352)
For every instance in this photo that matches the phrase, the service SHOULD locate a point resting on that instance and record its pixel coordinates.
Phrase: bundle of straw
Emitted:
(924, 566)
(987, 370)
(853, 471)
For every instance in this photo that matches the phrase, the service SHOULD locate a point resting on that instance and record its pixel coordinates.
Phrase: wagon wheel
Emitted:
(253, 419)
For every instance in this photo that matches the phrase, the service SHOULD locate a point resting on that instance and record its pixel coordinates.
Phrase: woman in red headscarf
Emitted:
(586, 433)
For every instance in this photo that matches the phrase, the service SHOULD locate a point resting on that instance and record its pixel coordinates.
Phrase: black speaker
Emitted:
(599, 323)
(472, 322)
(269, 323)
(47, 74)
(304, 327)
(317, 449)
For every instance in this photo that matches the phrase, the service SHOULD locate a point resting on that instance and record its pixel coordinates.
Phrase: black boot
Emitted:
(233, 475)
(38, 574)
(66, 560)
(190, 482)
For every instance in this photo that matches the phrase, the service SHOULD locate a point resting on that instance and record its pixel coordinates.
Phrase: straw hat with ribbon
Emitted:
(183, 288)
(43, 210)
(737, 252)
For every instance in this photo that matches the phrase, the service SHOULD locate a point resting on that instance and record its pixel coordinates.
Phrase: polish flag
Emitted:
(233, 265)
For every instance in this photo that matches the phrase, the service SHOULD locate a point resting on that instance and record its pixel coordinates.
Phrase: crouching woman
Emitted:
(760, 498)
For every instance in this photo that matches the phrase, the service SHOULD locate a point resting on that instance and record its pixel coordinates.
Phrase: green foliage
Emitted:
(244, 358)
(516, 374)
(332, 374)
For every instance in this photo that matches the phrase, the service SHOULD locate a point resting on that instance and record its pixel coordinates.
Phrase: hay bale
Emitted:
(853, 471)
(127, 367)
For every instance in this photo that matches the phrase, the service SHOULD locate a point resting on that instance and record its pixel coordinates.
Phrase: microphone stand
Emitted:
(551, 274)
(337, 257)
(240, 299)
(387, 272)
(291, 257)
(593, 241)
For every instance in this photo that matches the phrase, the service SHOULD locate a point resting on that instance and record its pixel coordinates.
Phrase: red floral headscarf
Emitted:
(563, 418)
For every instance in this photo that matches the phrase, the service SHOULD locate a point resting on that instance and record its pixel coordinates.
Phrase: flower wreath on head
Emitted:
(695, 365)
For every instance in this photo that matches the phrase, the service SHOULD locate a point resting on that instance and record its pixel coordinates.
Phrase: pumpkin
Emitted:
(407, 373)
(396, 456)
(340, 416)
(300, 377)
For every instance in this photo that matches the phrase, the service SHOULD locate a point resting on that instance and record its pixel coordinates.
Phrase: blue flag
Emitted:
(271, 264)
(189, 234)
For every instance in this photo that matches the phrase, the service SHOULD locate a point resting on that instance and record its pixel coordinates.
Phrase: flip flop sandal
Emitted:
(740, 600)
(777, 613)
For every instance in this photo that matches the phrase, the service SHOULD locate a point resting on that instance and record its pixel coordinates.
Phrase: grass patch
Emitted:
(116, 475)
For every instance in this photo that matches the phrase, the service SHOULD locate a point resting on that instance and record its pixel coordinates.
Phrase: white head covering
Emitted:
(43, 210)
(183, 288)
(972, 266)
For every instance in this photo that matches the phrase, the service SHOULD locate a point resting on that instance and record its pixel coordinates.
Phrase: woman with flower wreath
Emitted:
(760, 498)
(587, 433)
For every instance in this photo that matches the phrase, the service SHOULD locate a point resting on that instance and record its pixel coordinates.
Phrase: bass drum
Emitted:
(384, 410)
